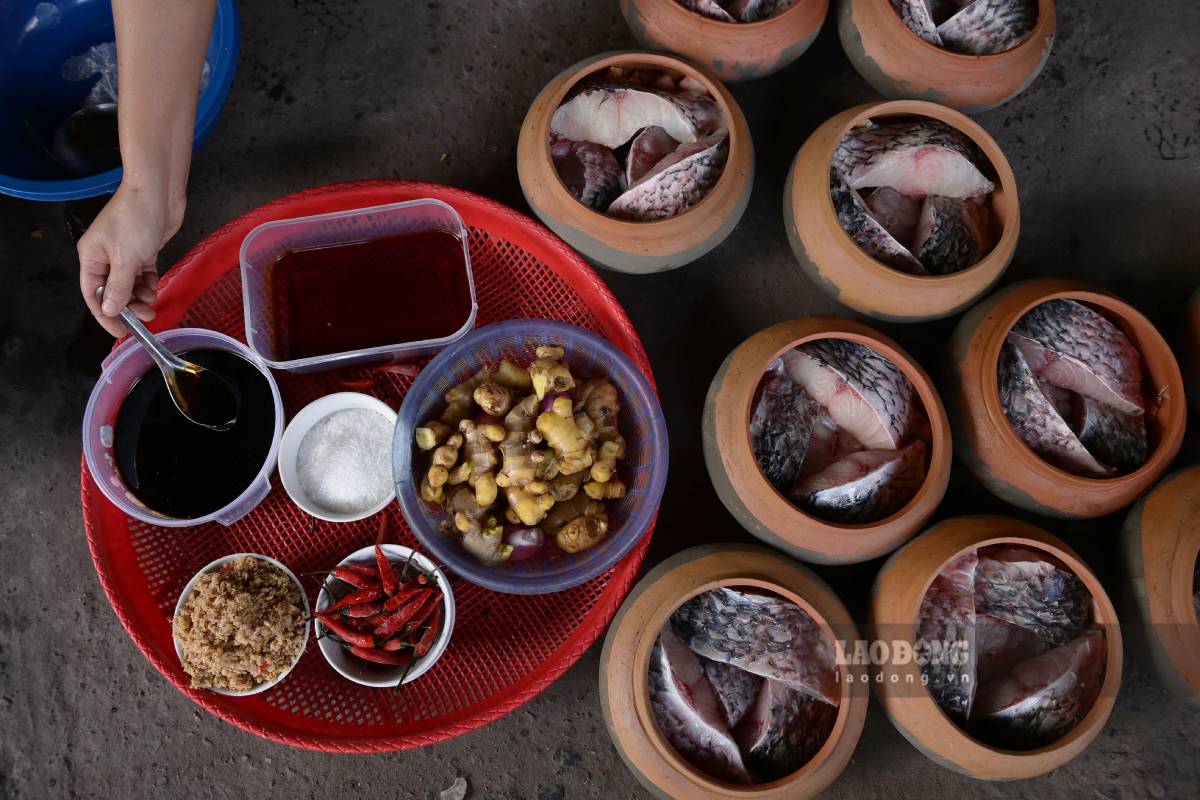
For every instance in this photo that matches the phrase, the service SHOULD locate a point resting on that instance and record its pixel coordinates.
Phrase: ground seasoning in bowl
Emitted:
(240, 625)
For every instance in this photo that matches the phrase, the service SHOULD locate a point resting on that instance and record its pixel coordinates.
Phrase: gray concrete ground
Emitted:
(1106, 149)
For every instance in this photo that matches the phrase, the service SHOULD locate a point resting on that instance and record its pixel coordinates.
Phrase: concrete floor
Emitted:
(1106, 149)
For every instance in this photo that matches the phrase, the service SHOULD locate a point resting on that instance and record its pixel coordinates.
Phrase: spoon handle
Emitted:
(162, 356)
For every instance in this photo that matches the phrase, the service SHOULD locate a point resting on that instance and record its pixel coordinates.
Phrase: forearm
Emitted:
(160, 56)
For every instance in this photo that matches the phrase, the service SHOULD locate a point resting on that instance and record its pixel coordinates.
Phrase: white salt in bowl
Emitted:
(298, 428)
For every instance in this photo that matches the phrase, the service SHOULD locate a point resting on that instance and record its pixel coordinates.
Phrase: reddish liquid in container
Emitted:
(405, 288)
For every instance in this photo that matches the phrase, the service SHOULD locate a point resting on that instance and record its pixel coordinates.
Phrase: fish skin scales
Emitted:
(764, 635)
(946, 631)
(1116, 439)
(1022, 588)
(1043, 697)
(754, 10)
(864, 487)
(736, 688)
(611, 113)
(708, 8)
(1072, 346)
(916, 17)
(688, 712)
(780, 428)
(865, 393)
(985, 27)
(866, 231)
(677, 182)
(650, 146)
(947, 238)
(919, 158)
(1036, 421)
(590, 171)
(783, 730)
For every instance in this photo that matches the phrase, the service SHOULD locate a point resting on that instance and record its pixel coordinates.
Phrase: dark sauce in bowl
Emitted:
(181, 469)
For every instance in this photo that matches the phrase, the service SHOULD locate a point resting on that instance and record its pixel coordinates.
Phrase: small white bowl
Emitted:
(300, 425)
(368, 673)
(187, 590)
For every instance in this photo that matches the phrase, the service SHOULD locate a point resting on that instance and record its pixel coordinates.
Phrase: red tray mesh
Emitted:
(505, 648)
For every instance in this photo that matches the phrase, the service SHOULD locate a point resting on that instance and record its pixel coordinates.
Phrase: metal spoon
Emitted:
(205, 397)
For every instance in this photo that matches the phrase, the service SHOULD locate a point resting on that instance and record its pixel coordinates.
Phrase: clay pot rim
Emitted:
(1036, 35)
(921, 384)
(581, 70)
(1158, 460)
(980, 138)
(1010, 530)
(721, 26)
(660, 617)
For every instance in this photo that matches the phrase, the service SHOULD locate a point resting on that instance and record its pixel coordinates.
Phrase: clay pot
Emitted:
(841, 269)
(994, 452)
(733, 51)
(624, 245)
(895, 601)
(900, 64)
(1191, 349)
(756, 503)
(625, 659)
(1159, 544)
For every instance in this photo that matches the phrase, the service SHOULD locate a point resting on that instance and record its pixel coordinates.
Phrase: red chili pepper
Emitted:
(381, 657)
(402, 616)
(386, 573)
(431, 632)
(395, 644)
(354, 577)
(364, 610)
(432, 602)
(354, 598)
(402, 596)
(347, 633)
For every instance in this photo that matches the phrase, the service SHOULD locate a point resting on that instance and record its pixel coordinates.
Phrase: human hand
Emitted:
(120, 250)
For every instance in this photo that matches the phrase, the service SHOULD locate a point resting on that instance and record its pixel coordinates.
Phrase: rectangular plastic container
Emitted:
(264, 245)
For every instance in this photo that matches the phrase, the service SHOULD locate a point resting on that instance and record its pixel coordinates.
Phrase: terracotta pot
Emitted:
(624, 664)
(1191, 348)
(1160, 544)
(624, 245)
(733, 51)
(994, 452)
(895, 601)
(900, 64)
(756, 503)
(841, 269)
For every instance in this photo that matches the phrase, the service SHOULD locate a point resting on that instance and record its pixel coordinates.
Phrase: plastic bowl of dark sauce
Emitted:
(157, 466)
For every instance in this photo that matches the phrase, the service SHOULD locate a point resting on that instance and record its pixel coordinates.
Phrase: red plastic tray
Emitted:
(505, 648)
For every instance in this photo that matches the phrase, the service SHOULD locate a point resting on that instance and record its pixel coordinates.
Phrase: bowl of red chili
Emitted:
(384, 616)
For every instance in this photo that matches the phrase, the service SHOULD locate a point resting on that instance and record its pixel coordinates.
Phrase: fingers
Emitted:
(118, 289)
(144, 294)
(143, 311)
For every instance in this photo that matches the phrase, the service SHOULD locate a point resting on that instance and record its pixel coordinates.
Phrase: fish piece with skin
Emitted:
(781, 426)
(1001, 645)
(1037, 422)
(1070, 345)
(763, 634)
(611, 113)
(917, 18)
(688, 712)
(783, 730)
(866, 231)
(942, 10)
(1025, 588)
(736, 688)
(1044, 697)
(865, 393)
(1114, 438)
(677, 182)
(897, 213)
(947, 238)
(708, 8)
(648, 148)
(918, 158)
(827, 444)
(946, 637)
(863, 487)
(985, 27)
(755, 10)
(590, 171)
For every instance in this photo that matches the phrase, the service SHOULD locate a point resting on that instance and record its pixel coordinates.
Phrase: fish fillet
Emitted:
(866, 231)
(1001, 645)
(755, 10)
(947, 239)
(781, 426)
(1072, 346)
(915, 14)
(985, 27)
(765, 635)
(1023, 588)
(590, 171)
(946, 637)
(827, 444)
(864, 487)
(688, 713)
(736, 688)
(1113, 437)
(709, 8)
(610, 114)
(677, 182)
(865, 393)
(918, 159)
(783, 730)
(649, 147)
(897, 213)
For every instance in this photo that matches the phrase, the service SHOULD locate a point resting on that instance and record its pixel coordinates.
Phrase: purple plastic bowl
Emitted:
(644, 468)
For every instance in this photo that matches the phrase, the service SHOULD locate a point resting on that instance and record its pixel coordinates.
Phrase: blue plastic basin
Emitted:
(36, 39)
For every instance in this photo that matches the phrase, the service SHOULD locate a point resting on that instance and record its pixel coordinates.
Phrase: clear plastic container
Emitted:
(124, 367)
(427, 303)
